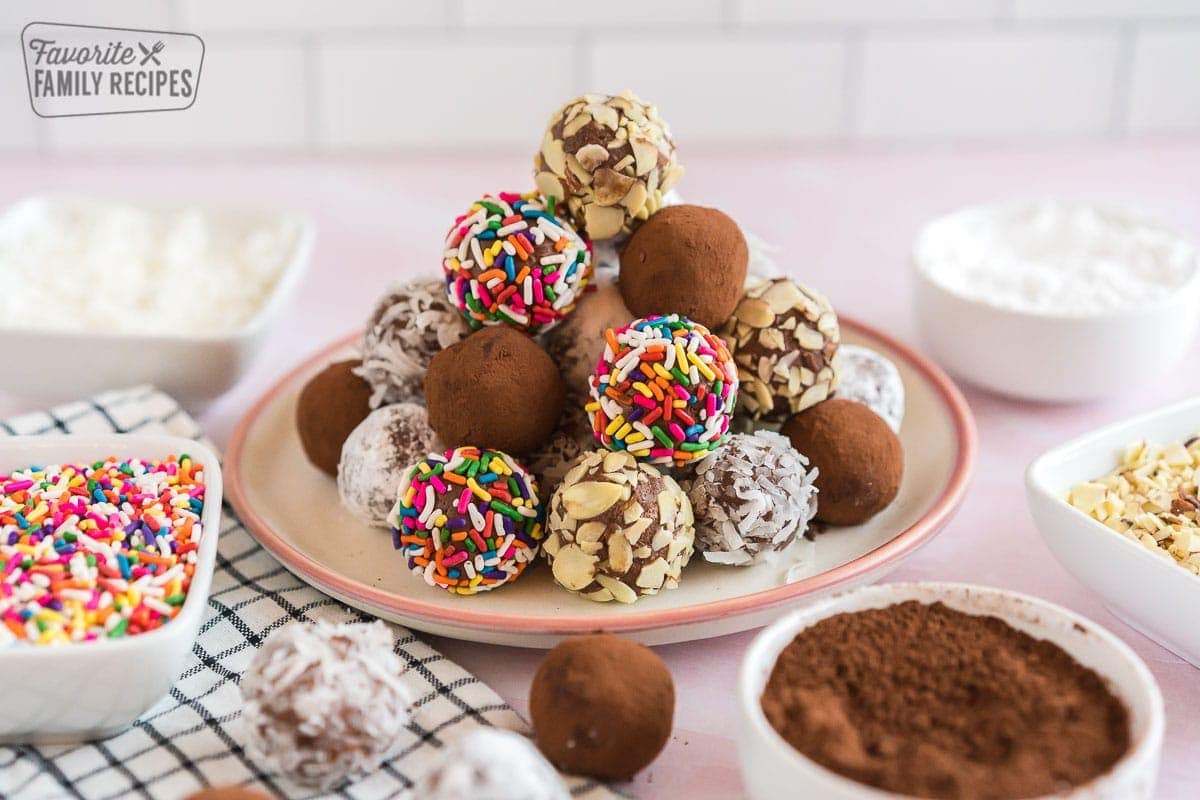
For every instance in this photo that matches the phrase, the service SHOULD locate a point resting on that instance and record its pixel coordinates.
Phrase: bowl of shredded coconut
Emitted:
(115, 293)
(1055, 301)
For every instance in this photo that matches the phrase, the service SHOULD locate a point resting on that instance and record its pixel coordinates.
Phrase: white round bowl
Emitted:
(1056, 357)
(772, 768)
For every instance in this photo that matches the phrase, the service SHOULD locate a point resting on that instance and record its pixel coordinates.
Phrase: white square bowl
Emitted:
(189, 365)
(1147, 591)
(92, 690)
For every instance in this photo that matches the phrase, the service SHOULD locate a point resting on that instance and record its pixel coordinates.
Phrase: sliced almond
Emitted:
(591, 156)
(603, 222)
(556, 159)
(611, 186)
(755, 312)
(634, 532)
(645, 154)
(573, 568)
(549, 185)
(590, 498)
(620, 554)
(621, 592)
(653, 574)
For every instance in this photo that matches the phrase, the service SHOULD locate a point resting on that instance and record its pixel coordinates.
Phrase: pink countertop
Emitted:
(847, 219)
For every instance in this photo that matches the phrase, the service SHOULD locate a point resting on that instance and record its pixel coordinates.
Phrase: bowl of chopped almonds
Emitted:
(1118, 507)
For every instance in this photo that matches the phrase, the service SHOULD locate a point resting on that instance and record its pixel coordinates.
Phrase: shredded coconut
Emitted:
(72, 265)
(1053, 257)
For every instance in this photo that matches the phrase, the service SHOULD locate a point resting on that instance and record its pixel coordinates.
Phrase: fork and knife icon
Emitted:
(151, 54)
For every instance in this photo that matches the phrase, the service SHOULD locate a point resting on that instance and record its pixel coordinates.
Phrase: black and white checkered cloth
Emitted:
(191, 739)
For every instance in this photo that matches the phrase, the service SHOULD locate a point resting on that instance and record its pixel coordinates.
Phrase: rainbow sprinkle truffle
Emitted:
(510, 260)
(97, 551)
(468, 521)
(664, 390)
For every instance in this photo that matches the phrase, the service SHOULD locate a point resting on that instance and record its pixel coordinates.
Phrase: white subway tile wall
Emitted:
(325, 76)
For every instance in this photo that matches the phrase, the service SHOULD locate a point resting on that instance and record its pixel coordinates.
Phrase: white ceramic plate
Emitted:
(293, 510)
(1149, 592)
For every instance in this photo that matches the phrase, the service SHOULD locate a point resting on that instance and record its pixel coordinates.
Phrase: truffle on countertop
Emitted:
(602, 706)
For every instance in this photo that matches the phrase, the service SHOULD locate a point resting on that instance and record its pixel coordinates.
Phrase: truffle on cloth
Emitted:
(467, 520)
(873, 380)
(577, 344)
(496, 389)
(859, 459)
(509, 260)
(609, 159)
(228, 793)
(324, 702)
(784, 337)
(602, 706)
(664, 391)
(376, 455)
(756, 495)
(409, 324)
(686, 260)
(617, 529)
(491, 764)
(330, 406)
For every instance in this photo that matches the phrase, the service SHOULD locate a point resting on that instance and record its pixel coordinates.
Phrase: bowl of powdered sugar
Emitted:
(1041, 300)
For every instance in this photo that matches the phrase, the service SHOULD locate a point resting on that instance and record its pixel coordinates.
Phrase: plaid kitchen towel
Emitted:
(192, 738)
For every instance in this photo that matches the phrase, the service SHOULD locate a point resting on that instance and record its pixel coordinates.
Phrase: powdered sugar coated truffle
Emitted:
(376, 455)
(873, 380)
(754, 496)
(491, 764)
(324, 702)
(410, 323)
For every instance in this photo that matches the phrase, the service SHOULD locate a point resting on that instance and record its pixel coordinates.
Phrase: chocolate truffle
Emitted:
(577, 344)
(571, 438)
(410, 323)
(467, 520)
(229, 793)
(510, 261)
(331, 405)
(755, 496)
(602, 706)
(618, 530)
(497, 390)
(784, 337)
(376, 455)
(324, 702)
(491, 764)
(685, 260)
(859, 459)
(873, 380)
(609, 159)
(664, 391)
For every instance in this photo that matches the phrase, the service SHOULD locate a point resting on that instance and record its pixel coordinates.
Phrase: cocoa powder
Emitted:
(927, 701)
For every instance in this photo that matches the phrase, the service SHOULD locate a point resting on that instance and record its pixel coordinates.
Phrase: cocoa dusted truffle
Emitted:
(577, 344)
(228, 793)
(784, 337)
(410, 323)
(602, 706)
(497, 390)
(331, 405)
(618, 530)
(609, 159)
(859, 459)
(686, 260)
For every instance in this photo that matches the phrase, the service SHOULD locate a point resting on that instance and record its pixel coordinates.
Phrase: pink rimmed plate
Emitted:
(292, 509)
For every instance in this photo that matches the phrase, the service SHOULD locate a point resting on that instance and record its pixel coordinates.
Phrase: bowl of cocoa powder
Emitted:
(943, 690)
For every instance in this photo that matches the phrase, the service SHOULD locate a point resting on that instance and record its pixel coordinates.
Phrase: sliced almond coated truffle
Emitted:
(495, 390)
(686, 260)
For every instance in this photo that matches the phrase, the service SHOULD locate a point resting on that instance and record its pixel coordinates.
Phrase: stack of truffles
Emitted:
(614, 421)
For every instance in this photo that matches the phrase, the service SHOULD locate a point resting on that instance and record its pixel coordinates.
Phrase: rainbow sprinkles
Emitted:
(97, 551)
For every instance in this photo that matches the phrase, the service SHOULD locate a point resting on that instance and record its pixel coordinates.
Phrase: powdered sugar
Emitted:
(491, 764)
(376, 455)
(1054, 257)
(868, 378)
